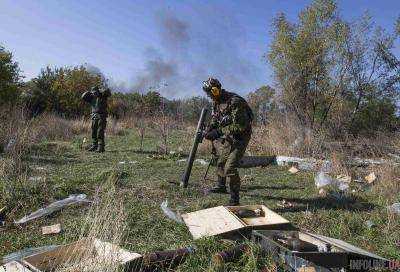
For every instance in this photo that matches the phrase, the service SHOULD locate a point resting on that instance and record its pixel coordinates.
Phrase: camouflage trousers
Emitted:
(99, 123)
(228, 161)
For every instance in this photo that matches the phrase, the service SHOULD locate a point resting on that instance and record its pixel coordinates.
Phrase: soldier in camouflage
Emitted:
(98, 101)
(231, 123)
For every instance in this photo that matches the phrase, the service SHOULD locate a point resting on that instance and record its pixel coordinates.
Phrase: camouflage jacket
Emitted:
(98, 101)
(232, 116)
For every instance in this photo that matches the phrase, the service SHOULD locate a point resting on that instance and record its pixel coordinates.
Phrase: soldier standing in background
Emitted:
(98, 101)
(232, 123)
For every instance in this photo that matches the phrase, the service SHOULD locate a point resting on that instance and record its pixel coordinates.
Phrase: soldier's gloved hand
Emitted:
(213, 134)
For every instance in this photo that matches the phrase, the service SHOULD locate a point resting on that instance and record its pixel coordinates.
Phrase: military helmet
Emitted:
(210, 83)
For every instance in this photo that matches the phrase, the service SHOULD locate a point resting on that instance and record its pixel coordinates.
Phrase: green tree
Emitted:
(10, 78)
(329, 70)
(59, 90)
(261, 102)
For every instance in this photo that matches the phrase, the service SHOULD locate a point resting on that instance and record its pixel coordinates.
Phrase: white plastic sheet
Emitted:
(169, 213)
(55, 206)
(394, 208)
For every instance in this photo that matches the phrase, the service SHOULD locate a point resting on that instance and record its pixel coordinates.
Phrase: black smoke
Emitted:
(189, 54)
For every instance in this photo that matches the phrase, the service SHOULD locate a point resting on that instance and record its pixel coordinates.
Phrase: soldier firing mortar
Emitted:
(231, 122)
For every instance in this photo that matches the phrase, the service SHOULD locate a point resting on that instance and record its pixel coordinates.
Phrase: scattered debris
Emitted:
(3, 216)
(13, 267)
(365, 162)
(322, 192)
(53, 229)
(55, 206)
(394, 208)
(11, 143)
(285, 204)
(35, 179)
(169, 213)
(322, 179)
(181, 160)
(125, 162)
(370, 224)
(231, 255)
(201, 161)
(40, 168)
(293, 170)
(93, 252)
(166, 260)
(370, 178)
(303, 164)
(19, 255)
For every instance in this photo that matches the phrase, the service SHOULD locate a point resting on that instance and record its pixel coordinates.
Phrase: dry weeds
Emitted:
(105, 222)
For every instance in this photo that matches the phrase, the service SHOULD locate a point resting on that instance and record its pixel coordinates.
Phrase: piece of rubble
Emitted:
(53, 229)
(394, 208)
(322, 179)
(370, 178)
(201, 161)
(87, 252)
(13, 267)
(35, 179)
(293, 170)
(169, 213)
(125, 162)
(370, 224)
(322, 192)
(285, 204)
(11, 143)
(55, 206)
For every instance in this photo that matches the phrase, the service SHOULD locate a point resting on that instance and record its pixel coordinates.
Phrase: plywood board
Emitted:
(210, 222)
(269, 217)
(13, 267)
(83, 250)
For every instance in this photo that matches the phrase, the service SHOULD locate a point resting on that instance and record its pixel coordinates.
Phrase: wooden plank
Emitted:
(13, 267)
(53, 229)
(210, 222)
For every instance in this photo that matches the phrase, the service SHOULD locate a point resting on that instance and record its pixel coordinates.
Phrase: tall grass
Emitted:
(105, 222)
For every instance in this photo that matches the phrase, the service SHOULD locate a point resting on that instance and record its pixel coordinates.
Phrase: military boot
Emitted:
(220, 188)
(234, 200)
(101, 149)
(234, 188)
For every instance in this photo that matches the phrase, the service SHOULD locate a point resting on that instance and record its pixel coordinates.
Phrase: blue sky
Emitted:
(127, 39)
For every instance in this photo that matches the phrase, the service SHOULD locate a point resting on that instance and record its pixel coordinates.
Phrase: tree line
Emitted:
(330, 74)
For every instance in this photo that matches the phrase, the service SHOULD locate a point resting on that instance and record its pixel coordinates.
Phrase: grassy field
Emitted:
(143, 184)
